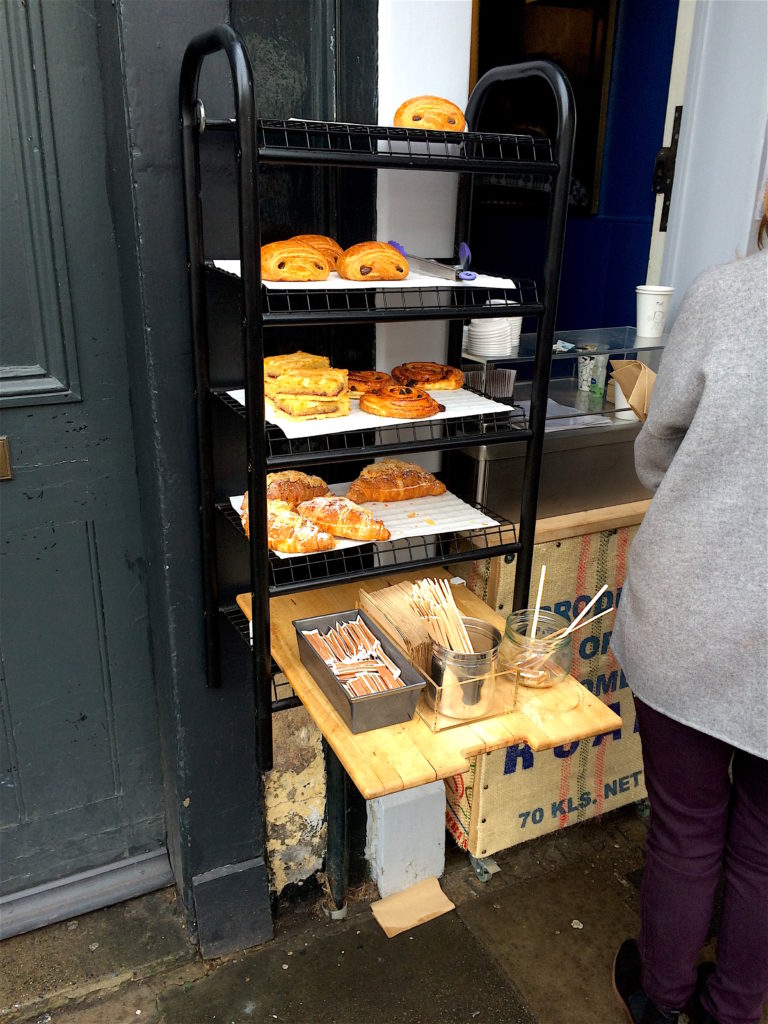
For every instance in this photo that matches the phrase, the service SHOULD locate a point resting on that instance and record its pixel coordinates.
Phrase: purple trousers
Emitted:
(709, 809)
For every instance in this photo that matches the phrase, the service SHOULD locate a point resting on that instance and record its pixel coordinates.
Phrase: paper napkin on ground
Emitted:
(636, 381)
(413, 906)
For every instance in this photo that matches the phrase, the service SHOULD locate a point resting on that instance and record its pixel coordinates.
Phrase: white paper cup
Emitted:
(621, 407)
(652, 308)
(591, 368)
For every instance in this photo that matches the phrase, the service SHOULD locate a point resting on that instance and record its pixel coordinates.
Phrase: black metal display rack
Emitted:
(234, 445)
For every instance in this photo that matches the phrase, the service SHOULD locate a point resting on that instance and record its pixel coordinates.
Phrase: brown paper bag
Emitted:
(636, 381)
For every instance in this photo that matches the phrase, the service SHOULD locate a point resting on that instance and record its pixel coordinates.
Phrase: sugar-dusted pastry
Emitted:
(372, 261)
(293, 261)
(310, 407)
(430, 376)
(393, 480)
(325, 382)
(275, 365)
(329, 247)
(343, 518)
(399, 401)
(361, 381)
(293, 487)
(430, 112)
(290, 533)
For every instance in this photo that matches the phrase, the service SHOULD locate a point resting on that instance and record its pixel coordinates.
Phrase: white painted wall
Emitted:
(424, 48)
(720, 154)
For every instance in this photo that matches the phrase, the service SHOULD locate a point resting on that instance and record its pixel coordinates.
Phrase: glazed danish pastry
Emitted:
(293, 261)
(329, 247)
(399, 401)
(372, 261)
(294, 487)
(343, 518)
(393, 480)
(361, 381)
(431, 112)
(430, 376)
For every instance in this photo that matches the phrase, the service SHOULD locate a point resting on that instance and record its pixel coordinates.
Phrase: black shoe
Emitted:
(629, 991)
(696, 1012)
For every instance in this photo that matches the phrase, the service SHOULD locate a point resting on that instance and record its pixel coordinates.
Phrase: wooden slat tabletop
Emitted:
(402, 756)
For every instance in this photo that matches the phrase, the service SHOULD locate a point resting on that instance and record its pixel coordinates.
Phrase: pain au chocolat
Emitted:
(293, 261)
(431, 112)
(372, 261)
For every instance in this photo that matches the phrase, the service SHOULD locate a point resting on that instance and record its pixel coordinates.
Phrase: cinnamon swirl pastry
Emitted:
(293, 261)
(430, 376)
(361, 381)
(372, 261)
(431, 112)
(399, 401)
(329, 247)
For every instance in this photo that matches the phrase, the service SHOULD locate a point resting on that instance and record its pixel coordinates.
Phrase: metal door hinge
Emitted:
(664, 169)
(6, 470)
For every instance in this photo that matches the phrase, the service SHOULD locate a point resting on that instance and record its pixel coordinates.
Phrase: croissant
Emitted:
(293, 487)
(372, 261)
(343, 518)
(431, 112)
(329, 247)
(399, 401)
(361, 381)
(290, 533)
(293, 261)
(430, 376)
(393, 480)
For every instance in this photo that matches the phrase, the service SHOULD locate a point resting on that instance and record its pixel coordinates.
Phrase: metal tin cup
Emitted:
(466, 681)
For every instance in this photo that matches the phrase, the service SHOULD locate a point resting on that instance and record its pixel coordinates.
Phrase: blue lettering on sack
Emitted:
(623, 784)
(589, 647)
(518, 751)
(563, 608)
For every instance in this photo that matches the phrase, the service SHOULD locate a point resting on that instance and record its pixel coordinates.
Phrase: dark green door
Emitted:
(80, 779)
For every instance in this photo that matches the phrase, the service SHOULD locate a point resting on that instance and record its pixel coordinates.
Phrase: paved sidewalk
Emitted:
(534, 944)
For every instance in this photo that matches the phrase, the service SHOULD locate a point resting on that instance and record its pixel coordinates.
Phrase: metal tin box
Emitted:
(376, 710)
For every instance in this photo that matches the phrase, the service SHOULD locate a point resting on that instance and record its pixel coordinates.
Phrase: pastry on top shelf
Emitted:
(275, 365)
(293, 261)
(394, 480)
(430, 376)
(361, 381)
(372, 261)
(399, 401)
(431, 112)
(329, 247)
(343, 518)
(293, 486)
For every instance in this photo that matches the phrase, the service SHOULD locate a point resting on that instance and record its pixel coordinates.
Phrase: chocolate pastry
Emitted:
(372, 261)
(293, 261)
(431, 112)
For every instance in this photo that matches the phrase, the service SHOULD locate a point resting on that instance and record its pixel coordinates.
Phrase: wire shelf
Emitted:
(303, 572)
(283, 696)
(316, 142)
(422, 435)
(441, 302)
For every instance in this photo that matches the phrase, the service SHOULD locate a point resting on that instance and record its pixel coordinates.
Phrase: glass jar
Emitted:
(539, 662)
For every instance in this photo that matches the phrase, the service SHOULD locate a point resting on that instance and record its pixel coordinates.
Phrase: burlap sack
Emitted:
(512, 795)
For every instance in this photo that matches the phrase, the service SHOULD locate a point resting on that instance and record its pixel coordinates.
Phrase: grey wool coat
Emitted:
(690, 630)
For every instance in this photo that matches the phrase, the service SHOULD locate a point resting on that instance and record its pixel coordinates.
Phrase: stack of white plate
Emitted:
(494, 338)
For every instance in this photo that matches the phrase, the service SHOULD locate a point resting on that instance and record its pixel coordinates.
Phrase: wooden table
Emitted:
(400, 757)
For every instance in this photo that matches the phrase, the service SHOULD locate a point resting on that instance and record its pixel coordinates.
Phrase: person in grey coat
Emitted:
(690, 635)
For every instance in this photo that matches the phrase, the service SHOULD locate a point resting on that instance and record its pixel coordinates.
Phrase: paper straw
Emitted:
(535, 622)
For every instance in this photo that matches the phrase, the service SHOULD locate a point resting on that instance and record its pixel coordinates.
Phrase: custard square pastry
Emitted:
(275, 365)
(309, 407)
(323, 383)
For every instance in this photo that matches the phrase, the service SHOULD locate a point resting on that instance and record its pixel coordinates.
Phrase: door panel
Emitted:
(80, 780)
